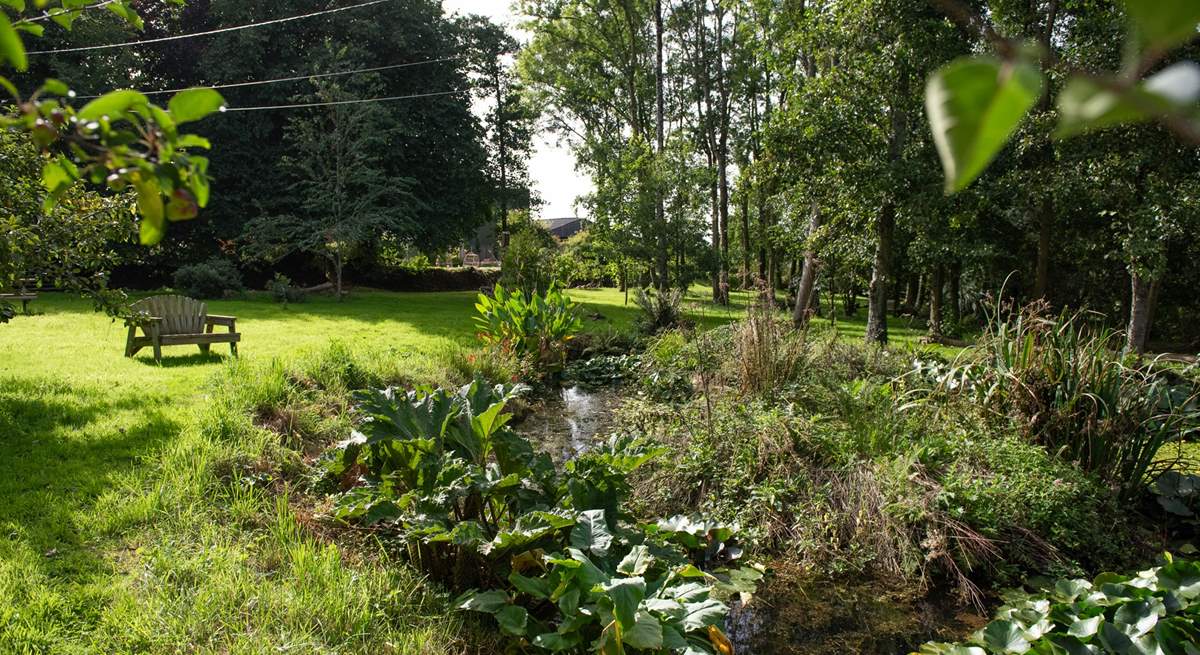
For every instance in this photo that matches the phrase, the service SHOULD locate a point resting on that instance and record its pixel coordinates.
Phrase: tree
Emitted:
(342, 197)
(70, 246)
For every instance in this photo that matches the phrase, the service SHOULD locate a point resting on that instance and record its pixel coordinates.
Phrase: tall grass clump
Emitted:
(660, 310)
(768, 352)
(1066, 385)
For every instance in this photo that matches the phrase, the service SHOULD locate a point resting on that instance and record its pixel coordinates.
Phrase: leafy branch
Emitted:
(976, 103)
(120, 139)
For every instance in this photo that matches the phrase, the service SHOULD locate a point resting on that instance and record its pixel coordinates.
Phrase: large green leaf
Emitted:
(636, 562)
(1088, 103)
(152, 227)
(490, 602)
(626, 595)
(704, 613)
(113, 105)
(591, 533)
(513, 620)
(975, 104)
(11, 48)
(194, 104)
(554, 642)
(646, 633)
(1164, 23)
(1005, 637)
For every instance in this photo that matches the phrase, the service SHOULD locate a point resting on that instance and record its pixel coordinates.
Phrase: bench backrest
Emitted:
(180, 314)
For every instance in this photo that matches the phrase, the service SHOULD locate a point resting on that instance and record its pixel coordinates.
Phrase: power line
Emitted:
(208, 33)
(344, 102)
(234, 85)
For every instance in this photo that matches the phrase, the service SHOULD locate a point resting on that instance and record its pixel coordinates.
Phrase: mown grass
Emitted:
(122, 528)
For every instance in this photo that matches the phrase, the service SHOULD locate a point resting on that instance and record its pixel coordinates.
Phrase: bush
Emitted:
(559, 560)
(528, 261)
(534, 327)
(1154, 611)
(661, 310)
(215, 278)
(283, 291)
(1067, 386)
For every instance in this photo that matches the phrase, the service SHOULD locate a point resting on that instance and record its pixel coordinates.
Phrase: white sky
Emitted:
(552, 167)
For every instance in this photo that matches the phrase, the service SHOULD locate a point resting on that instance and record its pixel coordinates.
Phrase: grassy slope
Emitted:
(114, 541)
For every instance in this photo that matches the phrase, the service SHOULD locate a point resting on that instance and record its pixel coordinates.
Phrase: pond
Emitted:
(802, 613)
(570, 423)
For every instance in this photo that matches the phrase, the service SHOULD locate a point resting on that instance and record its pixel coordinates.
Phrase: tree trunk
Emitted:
(955, 299)
(877, 331)
(911, 293)
(660, 214)
(337, 269)
(745, 239)
(801, 314)
(1041, 284)
(1139, 313)
(938, 280)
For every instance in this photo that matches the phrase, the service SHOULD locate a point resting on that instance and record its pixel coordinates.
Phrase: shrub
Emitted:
(283, 291)
(535, 327)
(215, 278)
(527, 263)
(1154, 611)
(767, 353)
(1068, 387)
(661, 310)
(558, 558)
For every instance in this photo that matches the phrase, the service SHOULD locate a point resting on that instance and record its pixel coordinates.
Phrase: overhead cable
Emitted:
(344, 102)
(193, 35)
(235, 85)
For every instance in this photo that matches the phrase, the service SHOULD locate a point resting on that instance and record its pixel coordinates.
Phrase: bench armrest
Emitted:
(228, 321)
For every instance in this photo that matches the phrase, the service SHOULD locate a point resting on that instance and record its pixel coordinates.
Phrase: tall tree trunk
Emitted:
(1139, 313)
(877, 329)
(502, 144)
(660, 214)
(723, 151)
(955, 299)
(1041, 284)
(745, 198)
(801, 315)
(938, 282)
(337, 270)
(911, 293)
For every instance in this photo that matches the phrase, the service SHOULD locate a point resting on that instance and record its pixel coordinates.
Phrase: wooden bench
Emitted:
(177, 321)
(21, 294)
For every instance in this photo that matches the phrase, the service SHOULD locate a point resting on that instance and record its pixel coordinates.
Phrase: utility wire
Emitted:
(344, 102)
(208, 33)
(235, 85)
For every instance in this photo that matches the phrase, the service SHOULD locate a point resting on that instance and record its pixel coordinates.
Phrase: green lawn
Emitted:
(113, 539)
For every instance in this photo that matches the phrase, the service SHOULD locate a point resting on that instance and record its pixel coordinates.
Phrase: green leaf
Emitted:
(704, 613)
(536, 587)
(627, 595)
(1163, 24)
(11, 48)
(513, 620)
(554, 642)
(646, 633)
(1140, 617)
(1005, 637)
(114, 105)
(150, 206)
(490, 602)
(30, 28)
(194, 104)
(1085, 628)
(974, 105)
(636, 562)
(57, 174)
(591, 533)
(193, 141)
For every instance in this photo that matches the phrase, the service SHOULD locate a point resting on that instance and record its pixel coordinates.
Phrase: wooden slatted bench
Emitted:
(21, 294)
(177, 321)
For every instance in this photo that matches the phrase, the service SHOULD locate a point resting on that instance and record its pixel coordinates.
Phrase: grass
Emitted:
(114, 539)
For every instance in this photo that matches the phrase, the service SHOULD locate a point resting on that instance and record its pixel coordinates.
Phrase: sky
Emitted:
(552, 167)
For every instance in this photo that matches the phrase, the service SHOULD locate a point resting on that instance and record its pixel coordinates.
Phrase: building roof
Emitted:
(557, 223)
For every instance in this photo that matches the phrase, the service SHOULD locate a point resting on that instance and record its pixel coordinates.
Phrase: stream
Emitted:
(571, 423)
(794, 612)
